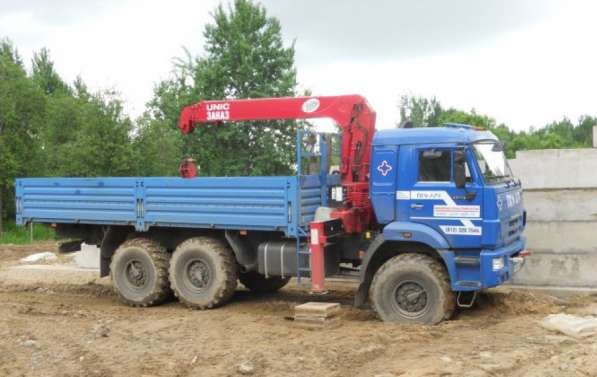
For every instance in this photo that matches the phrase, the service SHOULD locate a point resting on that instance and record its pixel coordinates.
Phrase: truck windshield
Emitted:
(492, 162)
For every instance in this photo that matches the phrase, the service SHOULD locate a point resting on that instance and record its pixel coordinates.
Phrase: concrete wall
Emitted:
(560, 194)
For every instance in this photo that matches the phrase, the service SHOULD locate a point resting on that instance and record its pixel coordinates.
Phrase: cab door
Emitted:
(455, 211)
(384, 175)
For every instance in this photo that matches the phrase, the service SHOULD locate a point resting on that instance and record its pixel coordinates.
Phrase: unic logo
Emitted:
(218, 111)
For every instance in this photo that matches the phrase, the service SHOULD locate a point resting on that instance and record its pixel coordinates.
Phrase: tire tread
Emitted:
(228, 266)
(160, 257)
(437, 270)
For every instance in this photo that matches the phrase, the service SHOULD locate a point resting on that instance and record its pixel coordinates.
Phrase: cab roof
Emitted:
(431, 135)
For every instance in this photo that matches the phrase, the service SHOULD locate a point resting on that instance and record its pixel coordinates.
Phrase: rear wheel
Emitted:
(139, 272)
(257, 282)
(412, 288)
(203, 273)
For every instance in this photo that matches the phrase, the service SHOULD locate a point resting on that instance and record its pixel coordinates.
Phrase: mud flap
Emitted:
(113, 238)
(360, 298)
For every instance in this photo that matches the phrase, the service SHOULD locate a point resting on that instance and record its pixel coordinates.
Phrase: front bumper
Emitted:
(489, 261)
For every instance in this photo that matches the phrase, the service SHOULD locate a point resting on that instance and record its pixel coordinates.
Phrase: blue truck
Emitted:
(422, 218)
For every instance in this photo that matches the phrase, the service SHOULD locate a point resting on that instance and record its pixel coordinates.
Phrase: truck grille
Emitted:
(513, 229)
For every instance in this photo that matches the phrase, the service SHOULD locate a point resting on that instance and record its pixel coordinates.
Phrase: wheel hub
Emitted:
(198, 274)
(136, 274)
(411, 298)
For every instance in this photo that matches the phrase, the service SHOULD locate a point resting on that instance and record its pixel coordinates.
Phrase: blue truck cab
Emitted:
(450, 189)
(448, 222)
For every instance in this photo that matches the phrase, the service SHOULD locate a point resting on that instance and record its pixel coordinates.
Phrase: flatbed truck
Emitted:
(422, 218)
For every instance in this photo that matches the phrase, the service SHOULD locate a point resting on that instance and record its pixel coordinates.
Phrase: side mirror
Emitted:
(459, 169)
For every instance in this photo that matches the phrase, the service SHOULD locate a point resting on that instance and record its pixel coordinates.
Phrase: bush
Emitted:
(20, 235)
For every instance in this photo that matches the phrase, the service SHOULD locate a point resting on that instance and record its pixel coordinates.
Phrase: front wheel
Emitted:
(412, 288)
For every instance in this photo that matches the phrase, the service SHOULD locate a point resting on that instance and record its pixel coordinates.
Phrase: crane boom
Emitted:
(352, 113)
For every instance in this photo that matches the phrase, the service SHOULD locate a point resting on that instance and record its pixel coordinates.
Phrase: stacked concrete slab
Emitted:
(316, 315)
(560, 194)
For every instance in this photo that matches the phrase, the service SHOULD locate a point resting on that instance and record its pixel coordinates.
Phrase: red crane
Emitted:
(357, 122)
(351, 112)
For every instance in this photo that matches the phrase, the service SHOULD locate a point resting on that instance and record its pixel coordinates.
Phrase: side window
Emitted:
(435, 165)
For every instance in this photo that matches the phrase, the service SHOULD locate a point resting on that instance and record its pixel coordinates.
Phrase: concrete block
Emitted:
(566, 237)
(569, 270)
(317, 309)
(88, 257)
(561, 205)
(594, 136)
(560, 196)
(577, 327)
(316, 315)
(556, 168)
(47, 256)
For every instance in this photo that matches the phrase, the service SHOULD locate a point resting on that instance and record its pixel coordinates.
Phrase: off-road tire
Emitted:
(257, 282)
(154, 288)
(214, 287)
(412, 273)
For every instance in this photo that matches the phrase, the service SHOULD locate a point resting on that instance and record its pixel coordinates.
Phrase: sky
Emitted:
(523, 62)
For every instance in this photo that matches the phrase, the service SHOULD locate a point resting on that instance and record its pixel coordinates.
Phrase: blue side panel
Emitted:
(254, 203)
(77, 200)
(223, 202)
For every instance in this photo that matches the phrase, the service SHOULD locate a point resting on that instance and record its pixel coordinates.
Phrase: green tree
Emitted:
(555, 135)
(84, 134)
(420, 111)
(472, 118)
(48, 128)
(45, 76)
(100, 144)
(158, 148)
(62, 116)
(21, 113)
(8, 50)
(244, 58)
(583, 132)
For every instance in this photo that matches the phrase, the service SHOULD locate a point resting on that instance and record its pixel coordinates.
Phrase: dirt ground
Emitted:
(74, 325)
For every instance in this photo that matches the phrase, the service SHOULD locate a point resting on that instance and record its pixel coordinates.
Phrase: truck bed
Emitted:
(286, 204)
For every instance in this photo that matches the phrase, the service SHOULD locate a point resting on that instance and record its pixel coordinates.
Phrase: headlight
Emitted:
(497, 263)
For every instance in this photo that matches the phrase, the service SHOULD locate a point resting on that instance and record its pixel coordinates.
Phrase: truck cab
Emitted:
(449, 192)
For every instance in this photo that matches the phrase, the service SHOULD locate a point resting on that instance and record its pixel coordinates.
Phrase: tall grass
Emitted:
(20, 235)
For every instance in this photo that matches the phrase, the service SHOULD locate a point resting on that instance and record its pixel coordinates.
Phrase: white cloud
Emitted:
(526, 77)
(391, 29)
(524, 66)
(128, 48)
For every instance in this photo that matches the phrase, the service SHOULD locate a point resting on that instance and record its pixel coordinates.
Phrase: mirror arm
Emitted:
(470, 195)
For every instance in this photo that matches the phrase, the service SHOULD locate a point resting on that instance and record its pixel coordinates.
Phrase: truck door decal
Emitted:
(448, 211)
(384, 168)
(457, 211)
